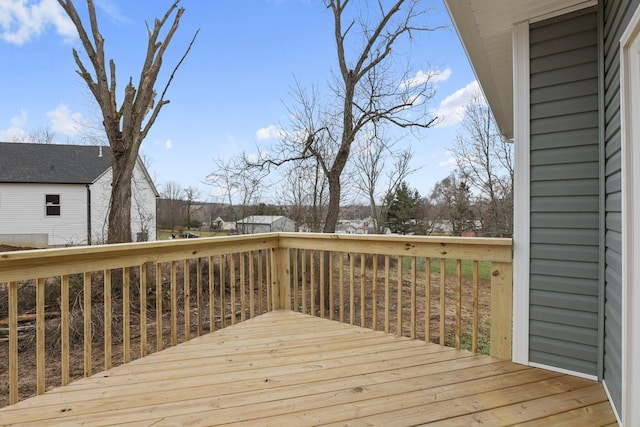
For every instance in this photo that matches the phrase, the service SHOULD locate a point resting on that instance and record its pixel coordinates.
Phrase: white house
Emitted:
(57, 195)
(220, 224)
(354, 226)
(265, 224)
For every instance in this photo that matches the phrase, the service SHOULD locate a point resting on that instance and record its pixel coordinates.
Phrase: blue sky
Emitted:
(231, 92)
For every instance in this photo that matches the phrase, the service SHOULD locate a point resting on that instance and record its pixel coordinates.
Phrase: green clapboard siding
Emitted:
(565, 196)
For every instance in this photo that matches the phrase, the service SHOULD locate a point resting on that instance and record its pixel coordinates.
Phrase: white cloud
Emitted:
(168, 144)
(19, 121)
(451, 110)
(270, 132)
(111, 9)
(449, 159)
(16, 130)
(258, 156)
(14, 134)
(64, 121)
(21, 20)
(449, 162)
(433, 76)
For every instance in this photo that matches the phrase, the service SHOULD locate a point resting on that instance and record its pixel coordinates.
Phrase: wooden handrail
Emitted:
(481, 249)
(22, 265)
(495, 253)
(350, 278)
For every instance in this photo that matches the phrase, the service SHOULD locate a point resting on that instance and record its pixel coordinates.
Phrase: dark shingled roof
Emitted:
(52, 163)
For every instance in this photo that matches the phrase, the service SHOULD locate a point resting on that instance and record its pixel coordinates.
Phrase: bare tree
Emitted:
(42, 135)
(366, 90)
(378, 178)
(305, 192)
(453, 199)
(191, 195)
(125, 126)
(485, 162)
(173, 204)
(428, 216)
(238, 186)
(18, 137)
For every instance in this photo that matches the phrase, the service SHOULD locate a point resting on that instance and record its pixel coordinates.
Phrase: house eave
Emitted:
(44, 183)
(485, 29)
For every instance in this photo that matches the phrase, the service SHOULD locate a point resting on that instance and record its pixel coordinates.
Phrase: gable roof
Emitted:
(260, 219)
(52, 163)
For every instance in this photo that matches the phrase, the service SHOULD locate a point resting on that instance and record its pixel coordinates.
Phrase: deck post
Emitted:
(501, 309)
(280, 277)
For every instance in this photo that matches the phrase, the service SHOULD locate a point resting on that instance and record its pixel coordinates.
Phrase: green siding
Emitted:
(565, 196)
(616, 16)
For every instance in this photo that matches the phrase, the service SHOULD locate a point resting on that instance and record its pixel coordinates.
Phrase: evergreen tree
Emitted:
(401, 217)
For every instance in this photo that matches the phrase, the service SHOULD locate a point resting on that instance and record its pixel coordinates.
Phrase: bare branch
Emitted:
(365, 93)
(484, 161)
(123, 125)
(162, 101)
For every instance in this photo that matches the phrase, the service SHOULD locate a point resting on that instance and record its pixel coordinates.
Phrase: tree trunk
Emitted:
(331, 220)
(120, 206)
(374, 213)
(330, 223)
(136, 105)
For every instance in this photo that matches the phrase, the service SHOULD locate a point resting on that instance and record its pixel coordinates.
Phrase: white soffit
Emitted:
(485, 28)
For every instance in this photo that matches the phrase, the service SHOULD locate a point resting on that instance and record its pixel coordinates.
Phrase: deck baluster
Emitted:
(458, 303)
(159, 343)
(87, 329)
(413, 296)
(126, 314)
(186, 294)
(143, 310)
(13, 342)
(107, 319)
(293, 271)
(64, 333)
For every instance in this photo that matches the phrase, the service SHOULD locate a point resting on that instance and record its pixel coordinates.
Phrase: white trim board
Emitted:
(521, 200)
(564, 371)
(630, 145)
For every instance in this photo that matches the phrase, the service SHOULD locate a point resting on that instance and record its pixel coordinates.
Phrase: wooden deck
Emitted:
(285, 368)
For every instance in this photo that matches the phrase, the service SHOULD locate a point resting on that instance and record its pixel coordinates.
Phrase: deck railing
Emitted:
(71, 312)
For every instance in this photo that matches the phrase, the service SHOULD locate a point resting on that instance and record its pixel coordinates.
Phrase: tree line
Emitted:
(347, 140)
(477, 197)
(344, 138)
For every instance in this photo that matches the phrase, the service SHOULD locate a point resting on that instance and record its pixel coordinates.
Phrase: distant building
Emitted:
(345, 227)
(355, 226)
(304, 228)
(57, 195)
(265, 224)
(220, 224)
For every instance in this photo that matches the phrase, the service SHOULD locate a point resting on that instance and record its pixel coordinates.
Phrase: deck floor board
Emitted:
(285, 368)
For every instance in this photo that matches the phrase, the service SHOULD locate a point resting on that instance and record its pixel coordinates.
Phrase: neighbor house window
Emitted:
(52, 204)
